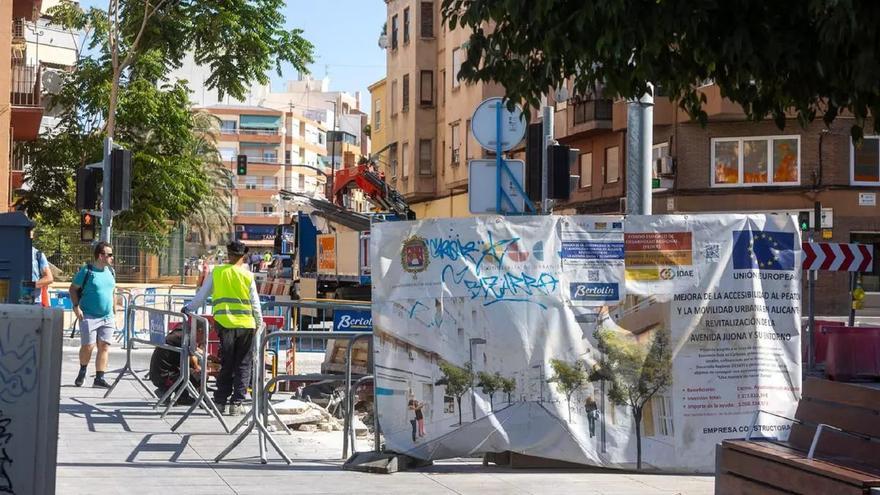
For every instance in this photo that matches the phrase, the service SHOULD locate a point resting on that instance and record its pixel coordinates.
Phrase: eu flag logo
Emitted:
(764, 250)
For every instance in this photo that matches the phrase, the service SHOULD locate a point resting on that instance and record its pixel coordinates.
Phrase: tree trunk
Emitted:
(111, 107)
(491, 402)
(459, 409)
(637, 418)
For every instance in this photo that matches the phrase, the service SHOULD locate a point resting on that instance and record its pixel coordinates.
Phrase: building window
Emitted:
(392, 160)
(442, 95)
(227, 154)
(426, 87)
(456, 144)
(268, 208)
(467, 139)
(586, 170)
(406, 25)
(612, 165)
(377, 119)
(456, 66)
(865, 161)
(756, 161)
(302, 182)
(394, 97)
(663, 407)
(394, 32)
(427, 19)
(228, 126)
(661, 159)
(404, 165)
(405, 104)
(426, 157)
(287, 157)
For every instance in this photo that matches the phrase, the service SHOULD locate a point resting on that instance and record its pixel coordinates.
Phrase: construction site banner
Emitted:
(633, 343)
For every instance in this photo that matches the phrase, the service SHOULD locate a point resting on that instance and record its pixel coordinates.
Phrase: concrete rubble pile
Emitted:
(310, 417)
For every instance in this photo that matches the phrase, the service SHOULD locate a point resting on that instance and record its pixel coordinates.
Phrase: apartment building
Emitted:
(426, 110)
(379, 119)
(284, 150)
(736, 166)
(36, 53)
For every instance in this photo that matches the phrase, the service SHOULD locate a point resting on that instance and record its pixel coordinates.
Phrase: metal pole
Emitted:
(182, 253)
(106, 212)
(853, 279)
(499, 161)
(640, 139)
(473, 392)
(332, 197)
(547, 120)
(811, 290)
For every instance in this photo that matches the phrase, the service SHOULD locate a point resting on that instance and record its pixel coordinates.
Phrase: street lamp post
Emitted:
(473, 342)
(332, 197)
(540, 367)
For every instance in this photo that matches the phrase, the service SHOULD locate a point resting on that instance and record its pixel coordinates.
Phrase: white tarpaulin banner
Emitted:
(588, 339)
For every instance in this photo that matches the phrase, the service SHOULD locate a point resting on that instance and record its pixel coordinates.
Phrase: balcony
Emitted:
(25, 99)
(583, 114)
(28, 9)
(259, 132)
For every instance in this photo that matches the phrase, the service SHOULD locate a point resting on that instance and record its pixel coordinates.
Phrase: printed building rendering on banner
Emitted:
(636, 343)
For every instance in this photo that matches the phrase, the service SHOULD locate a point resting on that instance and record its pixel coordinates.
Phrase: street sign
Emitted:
(484, 125)
(481, 182)
(838, 257)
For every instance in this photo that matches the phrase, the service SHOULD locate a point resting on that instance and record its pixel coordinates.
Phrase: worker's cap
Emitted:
(236, 248)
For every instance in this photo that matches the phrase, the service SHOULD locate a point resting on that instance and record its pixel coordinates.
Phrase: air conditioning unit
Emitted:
(664, 165)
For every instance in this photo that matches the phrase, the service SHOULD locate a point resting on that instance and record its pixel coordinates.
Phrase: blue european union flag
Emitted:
(764, 250)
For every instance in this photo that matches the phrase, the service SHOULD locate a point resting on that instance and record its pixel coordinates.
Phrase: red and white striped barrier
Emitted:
(838, 257)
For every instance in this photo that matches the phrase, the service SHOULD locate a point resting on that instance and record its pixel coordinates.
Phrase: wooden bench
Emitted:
(842, 458)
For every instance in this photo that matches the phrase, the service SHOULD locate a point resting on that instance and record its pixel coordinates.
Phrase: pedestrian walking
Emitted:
(237, 316)
(592, 410)
(41, 275)
(92, 296)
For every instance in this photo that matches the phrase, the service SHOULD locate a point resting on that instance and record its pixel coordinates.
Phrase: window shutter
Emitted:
(427, 19)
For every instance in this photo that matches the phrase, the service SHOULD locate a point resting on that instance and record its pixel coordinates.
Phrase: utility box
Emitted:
(16, 265)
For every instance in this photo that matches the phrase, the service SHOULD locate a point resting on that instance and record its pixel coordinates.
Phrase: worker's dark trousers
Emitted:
(236, 357)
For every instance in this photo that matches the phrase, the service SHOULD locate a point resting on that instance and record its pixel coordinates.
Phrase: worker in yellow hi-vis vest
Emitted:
(237, 316)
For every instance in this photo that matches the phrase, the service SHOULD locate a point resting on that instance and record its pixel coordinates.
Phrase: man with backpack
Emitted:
(92, 296)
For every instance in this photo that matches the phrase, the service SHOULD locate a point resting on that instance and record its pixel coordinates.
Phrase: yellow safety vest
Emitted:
(232, 297)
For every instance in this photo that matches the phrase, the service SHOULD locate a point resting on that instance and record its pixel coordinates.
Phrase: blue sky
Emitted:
(345, 34)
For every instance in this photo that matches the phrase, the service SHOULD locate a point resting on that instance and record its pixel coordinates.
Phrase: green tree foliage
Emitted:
(489, 384)
(121, 89)
(457, 380)
(635, 370)
(508, 386)
(569, 378)
(815, 57)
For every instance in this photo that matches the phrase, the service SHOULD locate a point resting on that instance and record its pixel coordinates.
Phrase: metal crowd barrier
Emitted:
(257, 417)
(203, 398)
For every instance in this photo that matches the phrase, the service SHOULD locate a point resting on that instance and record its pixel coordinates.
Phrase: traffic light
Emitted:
(87, 227)
(87, 189)
(534, 159)
(804, 220)
(120, 180)
(559, 160)
(241, 162)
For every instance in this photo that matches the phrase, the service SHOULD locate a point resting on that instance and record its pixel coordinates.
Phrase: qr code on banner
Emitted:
(712, 252)
(592, 275)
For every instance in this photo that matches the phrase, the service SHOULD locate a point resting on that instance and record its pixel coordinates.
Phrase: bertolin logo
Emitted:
(582, 291)
(349, 322)
(414, 255)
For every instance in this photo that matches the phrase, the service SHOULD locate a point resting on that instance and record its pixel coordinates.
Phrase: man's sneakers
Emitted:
(222, 408)
(80, 378)
(235, 409)
(100, 383)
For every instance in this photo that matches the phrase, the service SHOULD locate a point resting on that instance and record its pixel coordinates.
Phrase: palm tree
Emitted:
(212, 214)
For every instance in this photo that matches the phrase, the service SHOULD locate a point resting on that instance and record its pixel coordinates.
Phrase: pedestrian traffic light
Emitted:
(87, 227)
(86, 189)
(120, 180)
(804, 220)
(241, 168)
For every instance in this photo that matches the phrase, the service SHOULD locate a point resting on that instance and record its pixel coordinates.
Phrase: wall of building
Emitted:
(379, 117)
(5, 110)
